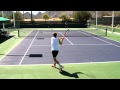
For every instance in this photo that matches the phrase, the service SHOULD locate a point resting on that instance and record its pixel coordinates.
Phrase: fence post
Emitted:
(106, 31)
(18, 33)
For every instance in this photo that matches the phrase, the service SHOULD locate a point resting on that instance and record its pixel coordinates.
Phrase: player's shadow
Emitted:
(75, 75)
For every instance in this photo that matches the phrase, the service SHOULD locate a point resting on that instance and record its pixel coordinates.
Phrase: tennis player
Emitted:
(49, 25)
(55, 41)
(66, 24)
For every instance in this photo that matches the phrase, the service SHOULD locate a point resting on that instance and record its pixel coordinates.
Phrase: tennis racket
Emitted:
(66, 32)
(62, 38)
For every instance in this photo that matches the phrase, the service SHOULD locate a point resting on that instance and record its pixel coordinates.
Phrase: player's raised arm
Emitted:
(61, 40)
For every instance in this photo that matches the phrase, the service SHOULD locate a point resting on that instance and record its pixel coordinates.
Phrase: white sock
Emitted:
(59, 64)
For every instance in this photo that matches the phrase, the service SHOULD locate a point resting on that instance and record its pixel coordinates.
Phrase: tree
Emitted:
(81, 15)
(3, 15)
(63, 17)
(10, 16)
(46, 17)
(102, 13)
(0, 14)
(105, 13)
(117, 13)
(18, 16)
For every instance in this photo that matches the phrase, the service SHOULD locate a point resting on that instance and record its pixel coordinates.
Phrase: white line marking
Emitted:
(101, 39)
(93, 44)
(28, 49)
(67, 39)
(65, 63)
(92, 62)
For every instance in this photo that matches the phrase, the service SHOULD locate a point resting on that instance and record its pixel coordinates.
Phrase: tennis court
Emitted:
(79, 47)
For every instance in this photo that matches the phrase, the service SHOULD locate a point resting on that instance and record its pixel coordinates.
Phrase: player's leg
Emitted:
(57, 62)
(65, 26)
(55, 53)
(61, 67)
(48, 26)
(54, 58)
(51, 27)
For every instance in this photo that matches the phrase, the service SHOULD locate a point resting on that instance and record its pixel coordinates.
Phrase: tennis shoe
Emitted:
(61, 67)
(53, 66)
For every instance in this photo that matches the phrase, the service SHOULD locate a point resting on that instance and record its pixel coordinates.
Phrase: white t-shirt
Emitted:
(54, 43)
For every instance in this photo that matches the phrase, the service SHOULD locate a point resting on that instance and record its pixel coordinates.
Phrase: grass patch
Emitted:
(71, 71)
(101, 32)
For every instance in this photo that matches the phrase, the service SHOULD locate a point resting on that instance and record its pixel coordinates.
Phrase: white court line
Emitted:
(93, 44)
(14, 47)
(28, 48)
(92, 62)
(73, 45)
(100, 39)
(67, 39)
(65, 63)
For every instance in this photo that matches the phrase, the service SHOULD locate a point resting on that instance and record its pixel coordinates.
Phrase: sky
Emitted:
(34, 12)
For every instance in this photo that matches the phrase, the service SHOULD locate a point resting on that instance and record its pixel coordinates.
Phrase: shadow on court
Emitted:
(3, 39)
(75, 75)
(65, 73)
(30, 55)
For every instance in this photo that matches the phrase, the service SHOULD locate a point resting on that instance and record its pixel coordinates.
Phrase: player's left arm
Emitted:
(61, 40)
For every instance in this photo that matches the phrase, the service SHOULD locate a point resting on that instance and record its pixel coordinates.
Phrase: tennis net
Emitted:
(60, 33)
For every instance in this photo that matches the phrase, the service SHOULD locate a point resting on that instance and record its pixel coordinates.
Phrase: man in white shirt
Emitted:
(55, 50)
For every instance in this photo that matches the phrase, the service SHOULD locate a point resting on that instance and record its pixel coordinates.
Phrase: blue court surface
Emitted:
(36, 49)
